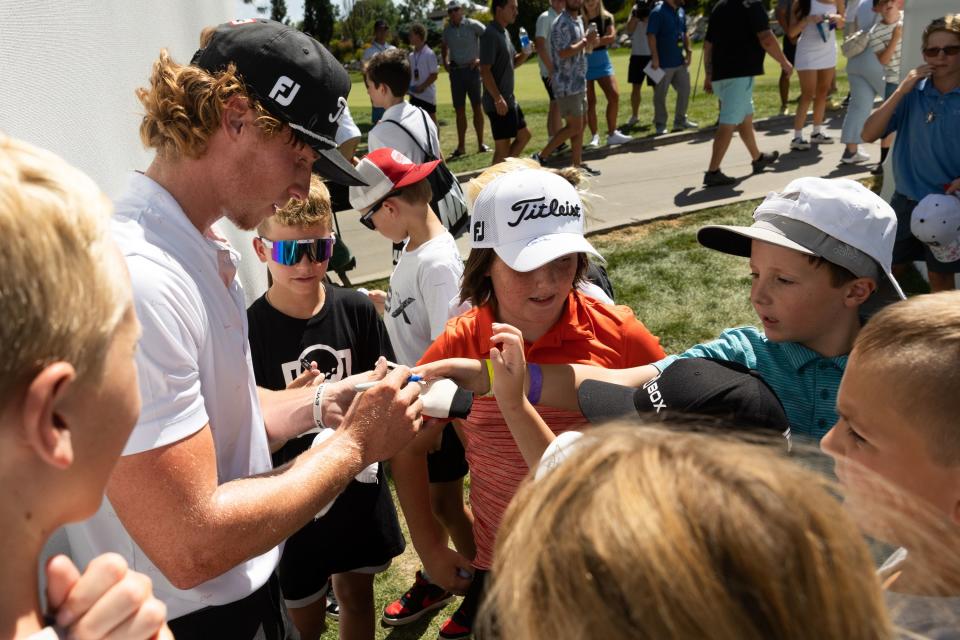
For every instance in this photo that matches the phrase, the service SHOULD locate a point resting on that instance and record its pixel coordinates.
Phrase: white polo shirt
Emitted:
(194, 367)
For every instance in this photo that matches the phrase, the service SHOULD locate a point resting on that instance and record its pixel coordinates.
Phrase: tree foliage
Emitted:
(278, 10)
(319, 17)
(358, 26)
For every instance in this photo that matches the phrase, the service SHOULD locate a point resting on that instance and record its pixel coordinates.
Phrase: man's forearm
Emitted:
(769, 43)
(488, 82)
(654, 54)
(195, 530)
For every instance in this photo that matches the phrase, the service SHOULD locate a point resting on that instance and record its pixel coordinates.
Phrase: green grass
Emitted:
(533, 99)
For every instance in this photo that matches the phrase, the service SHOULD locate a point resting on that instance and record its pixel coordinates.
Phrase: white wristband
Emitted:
(318, 406)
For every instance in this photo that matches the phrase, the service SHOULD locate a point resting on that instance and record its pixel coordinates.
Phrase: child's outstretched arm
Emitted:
(509, 364)
(560, 381)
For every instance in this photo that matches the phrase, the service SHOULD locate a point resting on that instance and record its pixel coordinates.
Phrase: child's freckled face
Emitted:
(879, 448)
(793, 298)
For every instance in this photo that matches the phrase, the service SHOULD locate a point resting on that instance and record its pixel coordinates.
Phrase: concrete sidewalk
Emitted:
(662, 177)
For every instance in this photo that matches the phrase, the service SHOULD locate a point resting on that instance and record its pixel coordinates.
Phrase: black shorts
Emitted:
(907, 246)
(429, 107)
(789, 48)
(360, 531)
(635, 74)
(449, 463)
(259, 616)
(464, 83)
(506, 127)
(548, 87)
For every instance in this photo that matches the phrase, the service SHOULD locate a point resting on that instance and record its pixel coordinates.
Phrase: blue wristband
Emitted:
(536, 383)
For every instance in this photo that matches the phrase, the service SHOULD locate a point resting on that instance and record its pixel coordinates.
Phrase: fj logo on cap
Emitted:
(478, 234)
(341, 105)
(284, 91)
(536, 208)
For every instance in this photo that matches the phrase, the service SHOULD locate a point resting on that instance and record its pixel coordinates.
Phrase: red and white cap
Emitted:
(386, 170)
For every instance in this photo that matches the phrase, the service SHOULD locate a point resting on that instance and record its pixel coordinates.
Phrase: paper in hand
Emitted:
(655, 74)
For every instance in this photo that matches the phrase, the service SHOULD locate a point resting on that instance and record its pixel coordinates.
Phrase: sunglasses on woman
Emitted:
(934, 52)
(367, 218)
(291, 252)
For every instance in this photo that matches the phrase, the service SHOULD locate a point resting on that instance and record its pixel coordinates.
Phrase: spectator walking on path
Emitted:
(381, 31)
(460, 51)
(424, 71)
(600, 71)
(639, 55)
(738, 38)
(812, 22)
(569, 43)
(925, 112)
(783, 13)
(881, 60)
(666, 34)
(498, 58)
(194, 499)
(545, 59)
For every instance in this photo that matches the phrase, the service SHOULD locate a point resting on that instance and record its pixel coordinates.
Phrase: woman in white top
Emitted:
(815, 62)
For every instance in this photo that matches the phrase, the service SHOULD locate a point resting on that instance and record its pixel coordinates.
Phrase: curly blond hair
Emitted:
(61, 295)
(183, 106)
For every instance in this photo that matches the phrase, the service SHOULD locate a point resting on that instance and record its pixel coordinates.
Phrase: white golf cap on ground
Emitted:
(529, 217)
(839, 220)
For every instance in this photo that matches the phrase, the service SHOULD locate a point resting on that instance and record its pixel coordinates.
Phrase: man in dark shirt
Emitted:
(737, 37)
(666, 33)
(497, 61)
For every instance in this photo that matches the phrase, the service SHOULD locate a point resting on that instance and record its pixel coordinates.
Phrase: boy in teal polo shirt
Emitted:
(820, 256)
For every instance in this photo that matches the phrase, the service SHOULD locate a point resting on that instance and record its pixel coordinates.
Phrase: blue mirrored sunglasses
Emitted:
(291, 252)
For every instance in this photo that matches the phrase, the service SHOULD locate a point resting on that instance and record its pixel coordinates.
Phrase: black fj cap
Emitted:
(702, 386)
(294, 77)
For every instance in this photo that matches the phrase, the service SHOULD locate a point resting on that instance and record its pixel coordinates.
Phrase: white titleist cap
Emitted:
(529, 217)
(936, 223)
(839, 220)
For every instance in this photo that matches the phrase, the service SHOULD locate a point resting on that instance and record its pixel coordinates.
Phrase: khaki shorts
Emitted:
(572, 106)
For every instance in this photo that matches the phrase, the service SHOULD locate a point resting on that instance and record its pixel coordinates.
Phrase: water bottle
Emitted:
(524, 40)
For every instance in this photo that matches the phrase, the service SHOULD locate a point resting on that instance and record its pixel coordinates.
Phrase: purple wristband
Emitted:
(536, 383)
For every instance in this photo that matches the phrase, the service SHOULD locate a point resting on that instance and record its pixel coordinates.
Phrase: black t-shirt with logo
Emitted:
(346, 337)
(732, 30)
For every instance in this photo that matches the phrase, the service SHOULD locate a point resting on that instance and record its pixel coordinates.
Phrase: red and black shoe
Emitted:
(456, 626)
(422, 598)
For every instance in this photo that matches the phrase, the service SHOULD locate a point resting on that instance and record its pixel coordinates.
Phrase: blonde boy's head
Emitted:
(62, 290)
(917, 343)
(640, 522)
(316, 210)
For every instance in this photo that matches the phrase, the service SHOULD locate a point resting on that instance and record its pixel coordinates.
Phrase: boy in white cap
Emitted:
(424, 293)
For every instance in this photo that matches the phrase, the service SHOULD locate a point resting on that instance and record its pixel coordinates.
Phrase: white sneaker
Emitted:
(821, 138)
(594, 141)
(799, 144)
(854, 158)
(632, 121)
(617, 138)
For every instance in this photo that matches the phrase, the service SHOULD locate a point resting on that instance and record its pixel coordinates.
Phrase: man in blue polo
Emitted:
(666, 33)
(738, 36)
(460, 52)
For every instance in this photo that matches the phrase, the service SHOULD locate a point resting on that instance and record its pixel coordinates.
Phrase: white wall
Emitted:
(69, 70)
